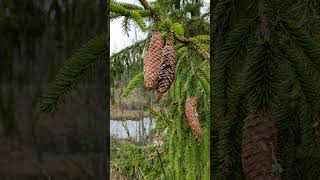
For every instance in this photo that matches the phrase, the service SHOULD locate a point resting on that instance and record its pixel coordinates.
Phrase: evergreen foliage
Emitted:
(128, 59)
(78, 66)
(187, 156)
(134, 82)
(266, 60)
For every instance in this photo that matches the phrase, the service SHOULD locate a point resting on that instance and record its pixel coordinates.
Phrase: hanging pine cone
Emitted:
(152, 60)
(259, 139)
(167, 71)
(192, 115)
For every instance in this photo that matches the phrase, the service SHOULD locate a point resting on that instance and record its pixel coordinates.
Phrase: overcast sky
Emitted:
(119, 40)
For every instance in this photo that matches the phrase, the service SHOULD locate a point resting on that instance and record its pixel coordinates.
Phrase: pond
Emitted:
(134, 128)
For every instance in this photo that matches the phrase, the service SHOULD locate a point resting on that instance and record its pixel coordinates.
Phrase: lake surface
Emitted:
(117, 128)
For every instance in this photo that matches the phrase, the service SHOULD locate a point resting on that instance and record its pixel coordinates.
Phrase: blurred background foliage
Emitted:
(37, 37)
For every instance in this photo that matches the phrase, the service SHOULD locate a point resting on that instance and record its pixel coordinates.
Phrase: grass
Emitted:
(130, 160)
(117, 114)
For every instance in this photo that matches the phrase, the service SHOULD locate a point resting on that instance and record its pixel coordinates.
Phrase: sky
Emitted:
(119, 40)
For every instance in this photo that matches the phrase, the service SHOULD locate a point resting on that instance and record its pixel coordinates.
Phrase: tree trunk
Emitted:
(259, 140)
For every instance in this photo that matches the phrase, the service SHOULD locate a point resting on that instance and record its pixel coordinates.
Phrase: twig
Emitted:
(145, 4)
(141, 173)
(165, 177)
(126, 128)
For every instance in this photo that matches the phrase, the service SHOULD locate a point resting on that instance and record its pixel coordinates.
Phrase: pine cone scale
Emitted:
(259, 138)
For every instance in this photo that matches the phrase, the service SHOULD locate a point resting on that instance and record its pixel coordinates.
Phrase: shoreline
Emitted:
(117, 114)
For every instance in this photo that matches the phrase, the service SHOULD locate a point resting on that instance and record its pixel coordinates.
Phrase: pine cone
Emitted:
(192, 115)
(259, 139)
(167, 71)
(152, 60)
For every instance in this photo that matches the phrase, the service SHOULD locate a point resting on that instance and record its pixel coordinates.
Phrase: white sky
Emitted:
(119, 40)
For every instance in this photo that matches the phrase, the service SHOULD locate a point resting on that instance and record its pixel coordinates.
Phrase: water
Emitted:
(117, 128)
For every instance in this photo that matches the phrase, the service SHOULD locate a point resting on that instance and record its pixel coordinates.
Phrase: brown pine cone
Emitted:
(152, 60)
(259, 140)
(192, 115)
(167, 71)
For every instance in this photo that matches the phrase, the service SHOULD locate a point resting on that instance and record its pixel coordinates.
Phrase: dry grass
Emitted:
(117, 114)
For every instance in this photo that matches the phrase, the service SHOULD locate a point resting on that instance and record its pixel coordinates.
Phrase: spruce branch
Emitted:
(114, 16)
(136, 14)
(138, 19)
(123, 11)
(304, 71)
(202, 77)
(204, 54)
(202, 38)
(128, 6)
(145, 4)
(138, 44)
(304, 41)
(134, 82)
(116, 8)
(126, 26)
(74, 70)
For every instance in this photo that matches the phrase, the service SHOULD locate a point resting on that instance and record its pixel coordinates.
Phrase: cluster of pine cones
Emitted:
(159, 64)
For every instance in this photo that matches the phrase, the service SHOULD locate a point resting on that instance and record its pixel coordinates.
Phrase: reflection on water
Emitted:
(135, 129)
